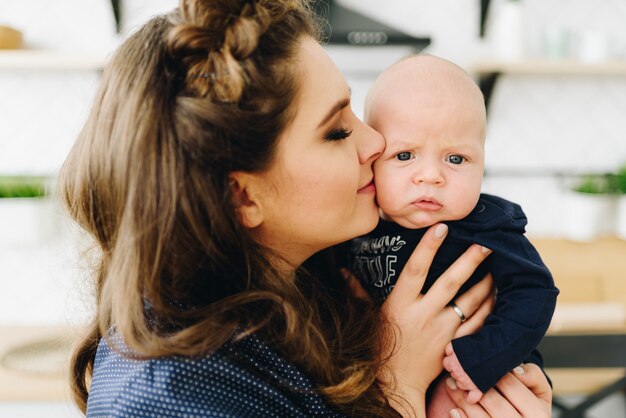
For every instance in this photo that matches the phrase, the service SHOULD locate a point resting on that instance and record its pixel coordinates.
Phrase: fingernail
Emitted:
(441, 230)
(451, 383)
(454, 413)
(486, 250)
(518, 370)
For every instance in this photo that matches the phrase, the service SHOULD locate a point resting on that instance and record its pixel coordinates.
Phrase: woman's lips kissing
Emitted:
(368, 188)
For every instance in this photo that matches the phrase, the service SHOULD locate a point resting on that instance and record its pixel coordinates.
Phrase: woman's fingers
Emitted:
(464, 409)
(457, 413)
(523, 393)
(527, 389)
(492, 404)
(411, 280)
(477, 303)
(514, 391)
(449, 283)
(496, 405)
(533, 378)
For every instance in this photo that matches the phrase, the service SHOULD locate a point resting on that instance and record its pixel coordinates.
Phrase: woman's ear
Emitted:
(245, 189)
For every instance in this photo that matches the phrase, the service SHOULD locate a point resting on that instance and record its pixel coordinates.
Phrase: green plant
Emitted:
(620, 180)
(22, 186)
(595, 184)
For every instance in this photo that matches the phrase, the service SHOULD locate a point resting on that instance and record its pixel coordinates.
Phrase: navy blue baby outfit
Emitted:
(242, 379)
(526, 294)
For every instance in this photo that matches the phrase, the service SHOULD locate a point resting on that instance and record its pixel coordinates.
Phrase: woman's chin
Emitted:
(371, 222)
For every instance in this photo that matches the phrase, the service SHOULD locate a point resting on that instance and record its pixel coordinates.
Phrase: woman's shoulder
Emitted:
(243, 378)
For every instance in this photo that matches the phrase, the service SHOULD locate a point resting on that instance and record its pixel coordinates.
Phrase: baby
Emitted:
(432, 116)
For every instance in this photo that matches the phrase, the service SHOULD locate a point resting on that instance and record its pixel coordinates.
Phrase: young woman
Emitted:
(220, 155)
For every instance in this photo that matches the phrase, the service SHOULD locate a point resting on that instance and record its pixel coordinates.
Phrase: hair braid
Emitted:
(216, 47)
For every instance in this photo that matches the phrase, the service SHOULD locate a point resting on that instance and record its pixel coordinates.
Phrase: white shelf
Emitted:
(50, 60)
(543, 67)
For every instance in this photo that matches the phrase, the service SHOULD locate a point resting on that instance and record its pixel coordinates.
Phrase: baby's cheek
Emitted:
(386, 202)
(385, 192)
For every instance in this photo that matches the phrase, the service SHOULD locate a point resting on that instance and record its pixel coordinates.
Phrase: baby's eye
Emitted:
(455, 159)
(404, 156)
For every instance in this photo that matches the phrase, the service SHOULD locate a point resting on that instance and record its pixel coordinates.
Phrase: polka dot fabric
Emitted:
(242, 379)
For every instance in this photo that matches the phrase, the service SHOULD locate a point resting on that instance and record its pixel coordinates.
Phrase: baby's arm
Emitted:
(453, 366)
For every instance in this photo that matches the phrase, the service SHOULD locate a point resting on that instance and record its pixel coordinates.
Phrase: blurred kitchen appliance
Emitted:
(349, 27)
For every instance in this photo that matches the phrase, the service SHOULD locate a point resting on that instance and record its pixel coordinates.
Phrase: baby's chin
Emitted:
(413, 221)
(421, 219)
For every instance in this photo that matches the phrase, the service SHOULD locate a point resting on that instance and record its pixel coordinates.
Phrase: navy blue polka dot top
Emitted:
(243, 379)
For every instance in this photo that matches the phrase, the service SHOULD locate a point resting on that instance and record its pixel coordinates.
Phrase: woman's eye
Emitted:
(403, 156)
(455, 159)
(338, 134)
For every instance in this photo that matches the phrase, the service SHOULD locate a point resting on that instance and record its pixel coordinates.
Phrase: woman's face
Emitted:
(319, 190)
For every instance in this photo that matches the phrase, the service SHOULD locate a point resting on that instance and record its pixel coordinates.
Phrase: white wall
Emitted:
(74, 25)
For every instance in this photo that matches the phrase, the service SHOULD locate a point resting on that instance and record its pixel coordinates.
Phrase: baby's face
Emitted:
(432, 167)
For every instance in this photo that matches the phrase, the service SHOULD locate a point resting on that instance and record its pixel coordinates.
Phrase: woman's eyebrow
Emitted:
(343, 103)
(340, 105)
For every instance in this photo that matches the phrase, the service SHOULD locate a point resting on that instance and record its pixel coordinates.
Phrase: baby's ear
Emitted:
(244, 191)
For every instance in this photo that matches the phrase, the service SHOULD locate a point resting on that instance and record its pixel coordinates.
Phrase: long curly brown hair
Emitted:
(189, 98)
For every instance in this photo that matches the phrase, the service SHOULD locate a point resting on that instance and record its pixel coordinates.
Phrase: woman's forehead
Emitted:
(322, 83)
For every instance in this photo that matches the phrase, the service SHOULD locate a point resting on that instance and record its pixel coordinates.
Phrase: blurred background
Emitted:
(554, 77)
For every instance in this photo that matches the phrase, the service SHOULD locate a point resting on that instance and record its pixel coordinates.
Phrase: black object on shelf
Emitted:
(348, 27)
(487, 83)
(585, 351)
(484, 11)
(117, 13)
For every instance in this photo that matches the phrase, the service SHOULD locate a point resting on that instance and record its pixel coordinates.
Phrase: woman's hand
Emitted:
(523, 393)
(419, 326)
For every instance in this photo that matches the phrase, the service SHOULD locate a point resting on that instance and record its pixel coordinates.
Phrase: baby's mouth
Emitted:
(428, 204)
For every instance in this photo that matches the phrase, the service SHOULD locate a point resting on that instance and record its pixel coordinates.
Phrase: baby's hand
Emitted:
(463, 381)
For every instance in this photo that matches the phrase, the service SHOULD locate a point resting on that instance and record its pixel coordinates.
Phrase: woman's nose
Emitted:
(370, 145)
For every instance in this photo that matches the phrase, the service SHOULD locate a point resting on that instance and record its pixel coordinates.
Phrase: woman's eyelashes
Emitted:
(338, 134)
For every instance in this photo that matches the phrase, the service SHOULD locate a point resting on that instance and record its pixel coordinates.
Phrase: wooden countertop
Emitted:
(582, 381)
(586, 271)
(17, 383)
(592, 280)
